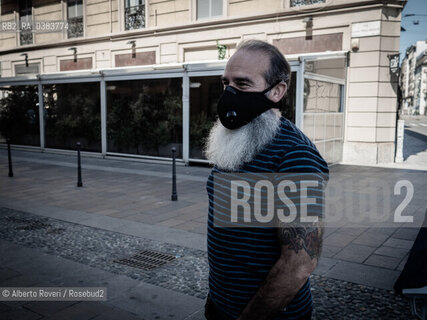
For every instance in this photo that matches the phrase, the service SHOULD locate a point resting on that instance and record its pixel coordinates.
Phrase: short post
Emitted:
(399, 141)
(79, 167)
(174, 194)
(9, 156)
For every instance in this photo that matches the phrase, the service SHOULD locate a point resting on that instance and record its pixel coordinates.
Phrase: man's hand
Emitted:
(301, 245)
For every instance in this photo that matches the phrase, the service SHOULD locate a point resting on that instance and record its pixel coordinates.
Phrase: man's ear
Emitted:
(278, 92)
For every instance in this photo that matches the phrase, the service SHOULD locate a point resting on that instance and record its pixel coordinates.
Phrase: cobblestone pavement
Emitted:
(98, 248)
(334, 299)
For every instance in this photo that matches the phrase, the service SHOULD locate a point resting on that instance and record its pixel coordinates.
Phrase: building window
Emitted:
(209, 8)
(25, 22)
(134, 14)
(297, 3)
(75, 18)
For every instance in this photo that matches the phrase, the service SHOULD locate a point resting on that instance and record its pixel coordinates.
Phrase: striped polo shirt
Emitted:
(240, 258)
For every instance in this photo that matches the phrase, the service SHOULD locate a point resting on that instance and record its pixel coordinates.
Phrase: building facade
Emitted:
(413, 80)
(135, 77)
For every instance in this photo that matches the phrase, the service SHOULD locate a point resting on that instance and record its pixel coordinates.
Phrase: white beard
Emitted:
(230, 149)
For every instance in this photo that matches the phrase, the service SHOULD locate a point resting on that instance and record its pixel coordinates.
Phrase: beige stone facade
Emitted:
(173, 33)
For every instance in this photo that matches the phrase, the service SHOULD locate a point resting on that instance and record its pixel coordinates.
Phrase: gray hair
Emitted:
(279, 68)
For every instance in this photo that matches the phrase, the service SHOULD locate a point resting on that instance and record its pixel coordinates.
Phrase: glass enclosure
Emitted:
(324, 105)
(72, 114)
(19, 115)
(144, 117)
(146, 114)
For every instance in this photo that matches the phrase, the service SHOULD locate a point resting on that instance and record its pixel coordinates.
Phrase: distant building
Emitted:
(136, 77)
(413, 79)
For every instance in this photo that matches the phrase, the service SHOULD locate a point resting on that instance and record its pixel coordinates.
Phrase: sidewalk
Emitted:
(55, 234)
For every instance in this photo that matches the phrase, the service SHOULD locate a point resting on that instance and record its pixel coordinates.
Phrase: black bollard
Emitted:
(79, 167)
(174, 196)
(9, 158)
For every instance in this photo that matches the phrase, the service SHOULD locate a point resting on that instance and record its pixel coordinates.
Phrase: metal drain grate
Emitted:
(147, 260)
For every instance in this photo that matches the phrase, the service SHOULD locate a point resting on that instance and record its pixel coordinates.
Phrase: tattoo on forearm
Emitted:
(302, 237)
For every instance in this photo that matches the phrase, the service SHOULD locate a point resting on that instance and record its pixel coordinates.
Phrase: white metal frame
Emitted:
(319, 77)
(210, 73)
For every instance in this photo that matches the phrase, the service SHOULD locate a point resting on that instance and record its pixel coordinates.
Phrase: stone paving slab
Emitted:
(399, 243)
(153, 302)
(383, 261)
(355, 253)
(391, 252)
(48, 308)
(371, 238)
(363, 274)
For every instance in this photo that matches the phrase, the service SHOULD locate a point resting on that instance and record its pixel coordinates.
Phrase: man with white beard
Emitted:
(259, 273)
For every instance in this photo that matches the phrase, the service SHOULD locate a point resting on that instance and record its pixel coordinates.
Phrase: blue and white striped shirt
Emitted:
(241, 258)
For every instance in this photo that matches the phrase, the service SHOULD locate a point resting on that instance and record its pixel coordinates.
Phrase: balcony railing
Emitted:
(297, 3)
(75, 27)
(26, 37)
(135, 17)
(26, 30)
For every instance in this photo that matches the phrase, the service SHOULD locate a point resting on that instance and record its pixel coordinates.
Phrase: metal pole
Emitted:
(79, 167)
(9, 158)
(174, 194)
(399, 140)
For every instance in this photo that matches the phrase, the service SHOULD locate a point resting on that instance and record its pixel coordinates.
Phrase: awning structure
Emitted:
(155, 69)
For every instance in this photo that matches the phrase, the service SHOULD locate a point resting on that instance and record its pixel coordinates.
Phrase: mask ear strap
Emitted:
(272, 86)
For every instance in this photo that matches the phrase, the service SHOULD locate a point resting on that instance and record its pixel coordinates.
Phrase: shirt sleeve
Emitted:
(306, 174)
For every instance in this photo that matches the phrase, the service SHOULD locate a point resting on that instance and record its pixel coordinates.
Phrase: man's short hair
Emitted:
(279, 68)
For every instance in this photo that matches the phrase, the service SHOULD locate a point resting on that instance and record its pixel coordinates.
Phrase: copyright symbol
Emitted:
(6, 293)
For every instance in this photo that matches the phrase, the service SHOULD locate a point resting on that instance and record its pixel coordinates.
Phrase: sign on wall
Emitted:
(366, 29)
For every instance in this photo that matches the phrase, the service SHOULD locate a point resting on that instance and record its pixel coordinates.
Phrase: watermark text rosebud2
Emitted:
(253, 200)
(339, 200)
(272, 191)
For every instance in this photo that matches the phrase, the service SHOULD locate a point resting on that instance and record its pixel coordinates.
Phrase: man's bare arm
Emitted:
(301, 245)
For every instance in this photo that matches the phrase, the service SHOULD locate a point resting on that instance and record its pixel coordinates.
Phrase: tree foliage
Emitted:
(19, 114)
(72, 114)
(144, 122)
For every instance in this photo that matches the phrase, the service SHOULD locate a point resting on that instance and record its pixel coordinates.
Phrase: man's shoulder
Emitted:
(298, 152)
(289, 135)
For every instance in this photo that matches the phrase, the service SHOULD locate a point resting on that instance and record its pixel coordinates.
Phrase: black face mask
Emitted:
(237, 108)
